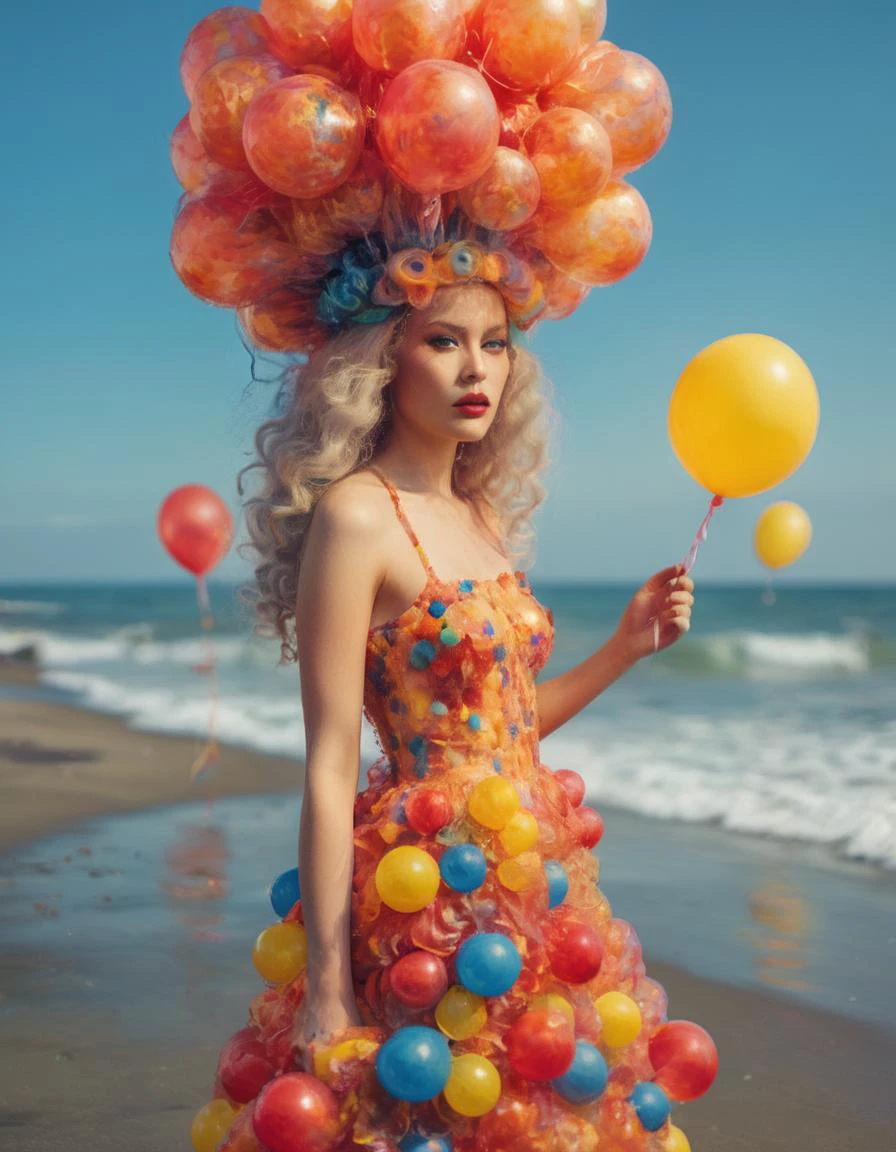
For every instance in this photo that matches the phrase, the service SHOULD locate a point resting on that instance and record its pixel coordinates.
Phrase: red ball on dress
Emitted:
(591, 827)
(541, 1044)
(297, 1113)
(419, 980)
(575, 951)
(573, 785)
(427, 810)
(244, 1067)
(684, 1059)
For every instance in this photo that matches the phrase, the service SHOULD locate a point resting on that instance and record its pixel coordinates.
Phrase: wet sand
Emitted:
(89, 1062)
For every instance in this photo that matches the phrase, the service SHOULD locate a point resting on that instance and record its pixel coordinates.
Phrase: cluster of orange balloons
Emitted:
(308, 117)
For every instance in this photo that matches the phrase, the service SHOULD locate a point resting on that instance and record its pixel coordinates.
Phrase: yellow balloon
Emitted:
(210, 1125)
(620, 1017)
(676, 1141)
(493, 801)
(280, 952)
(783, 533)
(743, 415)
(461, 1013)
(552, 1002)
(520, 832)
(474, 1086)
(407, 879)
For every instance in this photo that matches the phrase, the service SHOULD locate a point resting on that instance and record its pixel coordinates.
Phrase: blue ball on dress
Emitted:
(417, 1142)
(586, 1077)
(285, 891)
(463, 867)
(558, 882)
(422, 654)
(414, 1063)
(488, 963)
(651, 1103)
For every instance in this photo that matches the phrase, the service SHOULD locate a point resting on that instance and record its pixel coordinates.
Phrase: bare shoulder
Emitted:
(352, 506)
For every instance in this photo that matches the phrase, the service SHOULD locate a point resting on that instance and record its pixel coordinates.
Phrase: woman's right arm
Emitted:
(339, 577)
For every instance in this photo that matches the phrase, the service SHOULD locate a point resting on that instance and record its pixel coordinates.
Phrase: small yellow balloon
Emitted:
(620, 1017)
(210, 1125)
(783, 533)
(520, 833)
(280, 952)
(474, 1086)
(407, 879)
(676, 1141)
(552, 1002)
(493, 801)
(743, 415)
(461, 1013)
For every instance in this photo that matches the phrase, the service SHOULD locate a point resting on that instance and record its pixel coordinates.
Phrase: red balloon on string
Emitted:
(684, 1059)
(195, 527)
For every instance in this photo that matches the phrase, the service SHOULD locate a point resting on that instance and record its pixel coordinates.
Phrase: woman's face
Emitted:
(458, 345)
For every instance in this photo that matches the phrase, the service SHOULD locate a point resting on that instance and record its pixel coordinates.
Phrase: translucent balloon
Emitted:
(593, 18)
(592, 71)
(493, 801)
(684, 1059)
(516, 119)
(304, 135)
(226, 32)
(191, 163)
(437, 127)
(228, 256)
(221, 99)
(571, 153)
(488, 963)
(296, 1112)
(280, 952)
(620, 1019)
(427, 810)
(743, 415)
(210, 1125)
(414, 1063)
(529, 43)
(783, 533)
(461, 1013)
(407, 879)
(286, 322)
(392, 34)
(474, 1086)
(575, 951)
(309, 31)
(636, 110)
(586, 1078)
(520, 833)
(505, 195)
(598, 242)
(540, 1044)
(419, 979)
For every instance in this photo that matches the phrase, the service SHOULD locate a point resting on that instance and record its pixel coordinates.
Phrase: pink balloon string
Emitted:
(690, 559)
(210, 751)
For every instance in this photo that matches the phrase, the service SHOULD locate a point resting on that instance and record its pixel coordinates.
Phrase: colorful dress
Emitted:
(505, 1008)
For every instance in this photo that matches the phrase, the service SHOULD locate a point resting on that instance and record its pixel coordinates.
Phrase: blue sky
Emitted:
(772, 213)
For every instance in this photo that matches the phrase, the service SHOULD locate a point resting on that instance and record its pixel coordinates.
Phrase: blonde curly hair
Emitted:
(335, 416)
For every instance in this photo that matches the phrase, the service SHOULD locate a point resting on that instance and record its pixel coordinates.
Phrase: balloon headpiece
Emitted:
(344, 158)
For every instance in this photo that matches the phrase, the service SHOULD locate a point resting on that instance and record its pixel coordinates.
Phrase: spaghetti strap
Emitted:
(405, 523)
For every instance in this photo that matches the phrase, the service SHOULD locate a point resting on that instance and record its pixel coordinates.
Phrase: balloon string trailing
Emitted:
(210, 752)
(690, 559)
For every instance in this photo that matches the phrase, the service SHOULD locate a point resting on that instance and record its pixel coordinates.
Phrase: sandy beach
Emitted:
(91, 1063)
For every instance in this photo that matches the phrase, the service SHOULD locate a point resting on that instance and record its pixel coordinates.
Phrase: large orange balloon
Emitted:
(226, 32)
(304, 135)
(309, 31)
(505, 195)
(594, 69)
(598, 242)
(636, 110)
(593, 18)
(528, 44)
(743, 415)
(392, 34)
(571, 153)
(783, 533)
(195, 527)
(221, 99)
(437, 127)
(191, 163)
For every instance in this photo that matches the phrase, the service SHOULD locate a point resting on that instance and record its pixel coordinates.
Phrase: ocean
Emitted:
(775, 716)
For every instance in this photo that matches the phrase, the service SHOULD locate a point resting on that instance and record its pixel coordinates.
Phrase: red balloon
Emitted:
(541, 1044)
(573, 785)
(591, 827)
(684, 1059)
(244, 1067)
(297, 1113)
(419, 980)
(195, 527)
(428, 810)
(575, 951)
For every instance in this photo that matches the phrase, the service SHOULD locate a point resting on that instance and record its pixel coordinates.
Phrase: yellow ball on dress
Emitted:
(676, 1141)
(407, 879)
(474, 1086)
(280, 952)
(552, 1002)
(493, 801)
(520, 873)
(520, 833)
(461, 1013)
(621, 1019)
(210, 1125)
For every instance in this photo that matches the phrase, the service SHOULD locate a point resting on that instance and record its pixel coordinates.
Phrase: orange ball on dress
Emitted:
(571, 153)
(304, 135)
(528, 44)
(505, 195)
(390, 35)
(221, 99)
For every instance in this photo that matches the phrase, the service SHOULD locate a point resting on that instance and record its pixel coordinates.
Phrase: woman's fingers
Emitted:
(679, 598)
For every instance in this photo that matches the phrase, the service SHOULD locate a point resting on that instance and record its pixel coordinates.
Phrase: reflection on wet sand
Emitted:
(195, 876)
(783, 918)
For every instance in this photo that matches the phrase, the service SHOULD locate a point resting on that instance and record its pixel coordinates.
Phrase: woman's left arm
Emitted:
(667, 599)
